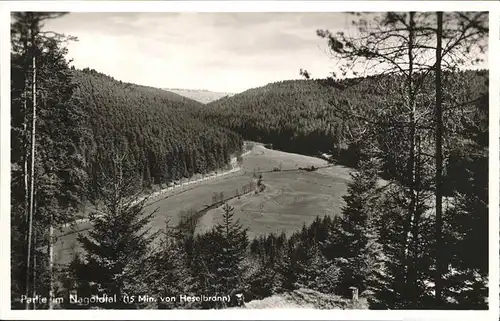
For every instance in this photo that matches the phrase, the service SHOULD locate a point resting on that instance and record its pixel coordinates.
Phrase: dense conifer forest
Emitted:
(81, 122)
(309, 116)
(164, 141)
(81, 136)
(305, 115)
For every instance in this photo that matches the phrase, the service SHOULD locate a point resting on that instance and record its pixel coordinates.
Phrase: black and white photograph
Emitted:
(249, 160)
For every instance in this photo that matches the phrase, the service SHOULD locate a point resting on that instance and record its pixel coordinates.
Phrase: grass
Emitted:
(292, 197)
(289, 201)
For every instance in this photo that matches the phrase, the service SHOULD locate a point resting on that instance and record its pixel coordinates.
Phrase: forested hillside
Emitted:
(164, 141)
(315, 116)
(373, 124)
(291, 115)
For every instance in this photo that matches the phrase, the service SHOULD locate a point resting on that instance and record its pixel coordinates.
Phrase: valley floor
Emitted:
(292, 197)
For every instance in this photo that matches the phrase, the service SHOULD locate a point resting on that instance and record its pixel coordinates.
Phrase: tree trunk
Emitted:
(25, 145)
(34, 275)
(416, 220)
(32, 178)
(25, 130)
(51, 264)
(439, 164)
(25, 171)
(410, 228)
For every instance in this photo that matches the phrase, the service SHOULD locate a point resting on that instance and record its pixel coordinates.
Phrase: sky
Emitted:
(222, 52)
(225, 52)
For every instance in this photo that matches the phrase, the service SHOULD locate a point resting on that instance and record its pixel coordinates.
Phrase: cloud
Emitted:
(226, 52)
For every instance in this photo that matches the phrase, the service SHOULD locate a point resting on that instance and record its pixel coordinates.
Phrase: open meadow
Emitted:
(291, 197)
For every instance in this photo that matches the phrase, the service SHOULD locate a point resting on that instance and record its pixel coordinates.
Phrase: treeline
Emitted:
(122, 257)
(67, 126)
(291, 115)
(81, 135)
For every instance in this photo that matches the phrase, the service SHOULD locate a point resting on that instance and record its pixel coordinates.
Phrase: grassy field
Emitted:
(291, 198)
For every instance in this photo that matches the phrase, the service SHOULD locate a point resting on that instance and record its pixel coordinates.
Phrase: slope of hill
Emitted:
(315, 116)
(295, 115)
(199, 95)
(154, 126)
(304, 194)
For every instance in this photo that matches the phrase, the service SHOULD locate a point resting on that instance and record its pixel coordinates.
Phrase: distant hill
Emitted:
(199, 95)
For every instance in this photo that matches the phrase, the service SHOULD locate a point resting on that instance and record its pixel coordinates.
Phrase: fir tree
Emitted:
(269, 259)
(172, 275)
(360, 259)
(220, 254)
(313, 271)
(118, 247)
(466, 217)
(47, 162)
(394, 290)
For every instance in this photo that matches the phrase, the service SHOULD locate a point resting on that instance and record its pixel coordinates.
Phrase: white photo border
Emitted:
(250, 6)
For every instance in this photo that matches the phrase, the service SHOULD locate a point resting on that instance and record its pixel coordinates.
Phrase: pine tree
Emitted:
(312, 270)
(361, 257)
(234, 243)
(466, 217)
(393, 292)
(172, 275)
(118, 247)
(268, 256)
(47, 126)
(393, 289)
(220, 254)
(416, 35)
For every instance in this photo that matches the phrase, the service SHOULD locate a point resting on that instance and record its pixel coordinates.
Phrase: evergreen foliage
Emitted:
(117, 249)
(361, 259)
(219, 257)
(104, 141)
(171, 272)
(164, 140)
(82, 117)
(46, 135)
(315, 116)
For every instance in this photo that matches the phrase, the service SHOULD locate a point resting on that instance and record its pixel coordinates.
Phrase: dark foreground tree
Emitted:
(361, 257)
(400, 43)
(269, 260)
(466, 215)
(219, 257)
(47, 166)
(172, 275)
(118, 247)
